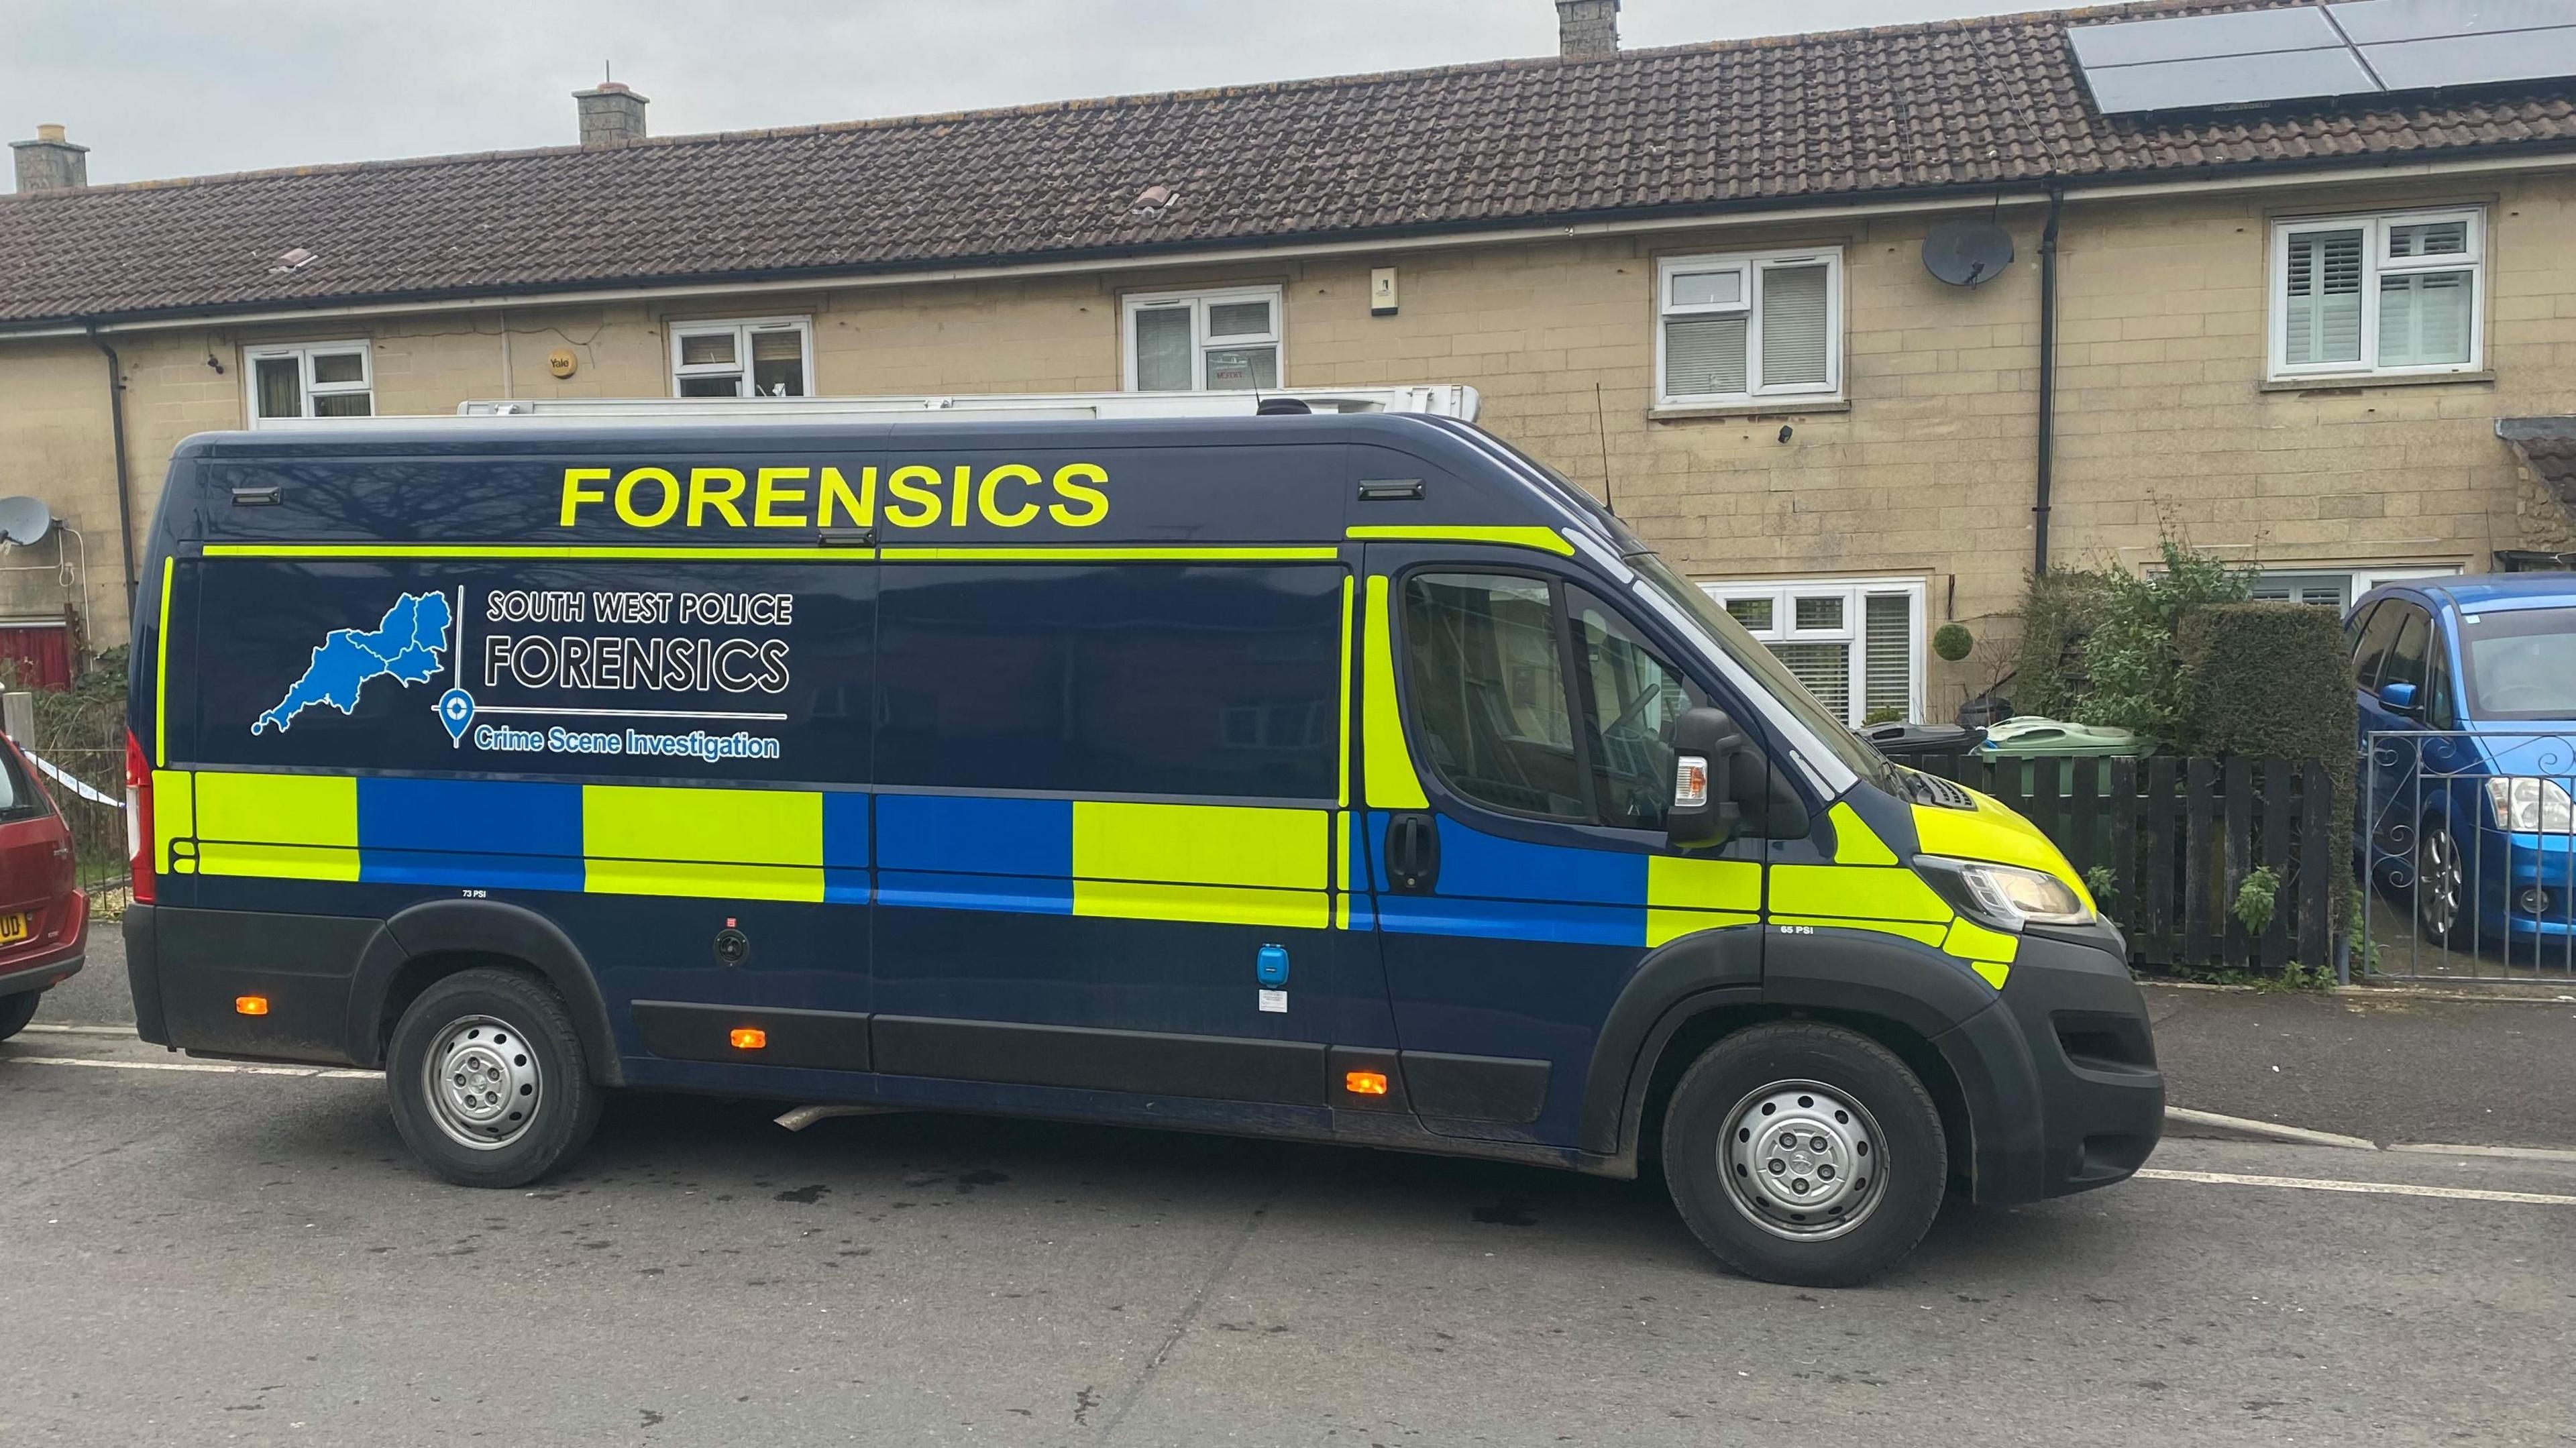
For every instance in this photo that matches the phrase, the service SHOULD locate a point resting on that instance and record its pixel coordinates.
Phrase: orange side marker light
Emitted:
(750, 1038)
(250, 1005)
(1364, 1083)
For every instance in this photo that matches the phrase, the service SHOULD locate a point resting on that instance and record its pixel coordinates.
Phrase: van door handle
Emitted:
(1412, 854)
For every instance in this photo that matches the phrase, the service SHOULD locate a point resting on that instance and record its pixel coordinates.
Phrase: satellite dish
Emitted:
(25, 520)
(1967, 253)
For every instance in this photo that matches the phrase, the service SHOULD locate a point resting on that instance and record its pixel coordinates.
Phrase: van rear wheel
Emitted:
(488, 1082)
(1804, 1153)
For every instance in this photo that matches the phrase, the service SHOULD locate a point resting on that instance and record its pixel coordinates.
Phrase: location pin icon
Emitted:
(455, 710)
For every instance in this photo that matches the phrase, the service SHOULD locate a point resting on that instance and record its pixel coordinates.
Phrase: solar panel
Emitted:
(2321, 52)
(2229, 80)
(2198, 37)
(2380, 22)
(2475, 59)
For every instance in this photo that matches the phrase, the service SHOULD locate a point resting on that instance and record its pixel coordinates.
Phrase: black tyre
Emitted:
(488, 1082)
(2440, 891)
(17, 1010)
(1805, 1153)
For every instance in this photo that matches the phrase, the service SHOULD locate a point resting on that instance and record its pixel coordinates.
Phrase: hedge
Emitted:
(2274, 681)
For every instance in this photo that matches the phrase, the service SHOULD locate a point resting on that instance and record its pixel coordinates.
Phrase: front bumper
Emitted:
(2508, 870)
(2060, 1077)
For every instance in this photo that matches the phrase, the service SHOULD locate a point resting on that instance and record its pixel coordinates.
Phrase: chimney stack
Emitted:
(612, 115)
(50, 163)
(1587, 29)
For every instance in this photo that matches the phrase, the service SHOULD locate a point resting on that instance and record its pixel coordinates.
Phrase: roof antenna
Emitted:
(1601, 430)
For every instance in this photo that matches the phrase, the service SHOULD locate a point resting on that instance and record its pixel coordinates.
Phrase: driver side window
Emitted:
(1631, 699)
(1487, 685)
(1485, 682)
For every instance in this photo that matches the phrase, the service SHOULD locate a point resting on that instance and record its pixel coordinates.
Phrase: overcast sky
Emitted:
(185, 87)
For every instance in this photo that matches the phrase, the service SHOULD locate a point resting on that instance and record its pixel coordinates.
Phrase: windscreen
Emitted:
(17, 797)
(2520, 663)
(1758, 661)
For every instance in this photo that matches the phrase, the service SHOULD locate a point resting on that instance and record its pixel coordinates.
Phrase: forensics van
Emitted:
(1333, 771)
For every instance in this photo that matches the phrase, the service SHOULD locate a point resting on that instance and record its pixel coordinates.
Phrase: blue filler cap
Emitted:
(1273, 966)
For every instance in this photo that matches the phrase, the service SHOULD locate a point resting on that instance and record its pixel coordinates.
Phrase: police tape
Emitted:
(75, 786)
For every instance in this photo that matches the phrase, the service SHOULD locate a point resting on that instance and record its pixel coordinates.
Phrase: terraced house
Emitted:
(2296, 281)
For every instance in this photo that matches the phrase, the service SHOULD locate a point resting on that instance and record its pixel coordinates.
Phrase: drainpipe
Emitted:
(2047, 383)
(124, 491)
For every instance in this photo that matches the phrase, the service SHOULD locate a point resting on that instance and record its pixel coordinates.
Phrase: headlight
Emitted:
(2006, 897)
(2526, 804)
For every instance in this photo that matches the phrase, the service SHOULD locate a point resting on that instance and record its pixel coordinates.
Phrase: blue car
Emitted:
(2467, 693)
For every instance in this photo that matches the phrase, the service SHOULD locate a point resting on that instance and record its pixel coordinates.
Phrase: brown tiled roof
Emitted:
(1956, 105)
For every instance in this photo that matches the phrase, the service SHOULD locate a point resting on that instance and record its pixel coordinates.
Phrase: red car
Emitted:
(44, 915)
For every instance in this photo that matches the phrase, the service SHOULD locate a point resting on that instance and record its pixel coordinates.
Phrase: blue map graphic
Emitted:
(405, 645)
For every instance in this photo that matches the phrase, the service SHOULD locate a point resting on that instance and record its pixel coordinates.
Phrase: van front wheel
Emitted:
(488, 1082)
(1804, 1153)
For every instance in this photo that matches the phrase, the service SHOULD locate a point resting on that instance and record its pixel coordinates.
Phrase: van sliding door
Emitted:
(1106, 828)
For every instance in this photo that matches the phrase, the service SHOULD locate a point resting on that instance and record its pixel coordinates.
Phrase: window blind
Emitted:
(1704, 356)
(1887, 654)
(1793, 326)
(2324, 297)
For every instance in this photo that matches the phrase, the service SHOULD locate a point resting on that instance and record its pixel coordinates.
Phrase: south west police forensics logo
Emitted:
(570, 643)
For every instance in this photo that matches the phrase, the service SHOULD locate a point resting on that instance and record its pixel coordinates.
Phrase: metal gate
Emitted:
(2467, 840)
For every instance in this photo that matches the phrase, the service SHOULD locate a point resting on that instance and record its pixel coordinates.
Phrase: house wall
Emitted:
(2165, 423)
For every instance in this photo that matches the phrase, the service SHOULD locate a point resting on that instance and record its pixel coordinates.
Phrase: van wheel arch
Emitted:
(1693, 1026)
(431, 941)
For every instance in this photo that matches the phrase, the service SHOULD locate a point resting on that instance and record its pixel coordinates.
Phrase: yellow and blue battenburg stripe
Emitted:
(1249, 865)
(1502, 889)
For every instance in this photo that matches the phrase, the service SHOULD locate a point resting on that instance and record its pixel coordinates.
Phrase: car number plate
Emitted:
(13, 927)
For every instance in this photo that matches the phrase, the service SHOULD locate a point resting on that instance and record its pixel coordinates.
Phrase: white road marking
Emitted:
(2518, 1153)
(125, 1031)
(2269, 1128)
(2382, 1189)
(227, 1068)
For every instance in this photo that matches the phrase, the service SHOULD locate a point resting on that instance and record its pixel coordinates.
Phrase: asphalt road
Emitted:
(213, 1255)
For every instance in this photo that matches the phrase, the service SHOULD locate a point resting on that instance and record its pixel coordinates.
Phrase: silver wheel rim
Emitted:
(2439, 882)
(1803, 1160)
(482, 1083)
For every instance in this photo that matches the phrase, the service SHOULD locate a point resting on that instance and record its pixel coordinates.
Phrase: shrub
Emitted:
(1952, 641)
(2059, 611)
(2099, 645)
(2134, 677)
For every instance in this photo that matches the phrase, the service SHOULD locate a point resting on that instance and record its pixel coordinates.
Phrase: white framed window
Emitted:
(309, 379)
(757, 357)
(1221, 341)
(2389, 295)
(2337, 587)
(1856, 643)
(1748, 326)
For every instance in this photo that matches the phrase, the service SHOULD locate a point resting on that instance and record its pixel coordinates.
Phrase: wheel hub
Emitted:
(1802, 1160)
(2440, 881)
(483, 1083)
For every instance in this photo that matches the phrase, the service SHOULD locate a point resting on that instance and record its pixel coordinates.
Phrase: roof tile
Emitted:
(1976, 104)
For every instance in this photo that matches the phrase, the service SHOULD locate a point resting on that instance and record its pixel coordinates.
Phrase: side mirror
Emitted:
(2400, 698)
(1707, 743)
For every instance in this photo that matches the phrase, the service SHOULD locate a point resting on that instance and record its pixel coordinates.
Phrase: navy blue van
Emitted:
(1339, 777)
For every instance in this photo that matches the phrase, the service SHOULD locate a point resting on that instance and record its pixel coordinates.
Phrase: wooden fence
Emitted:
(2178, 837)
